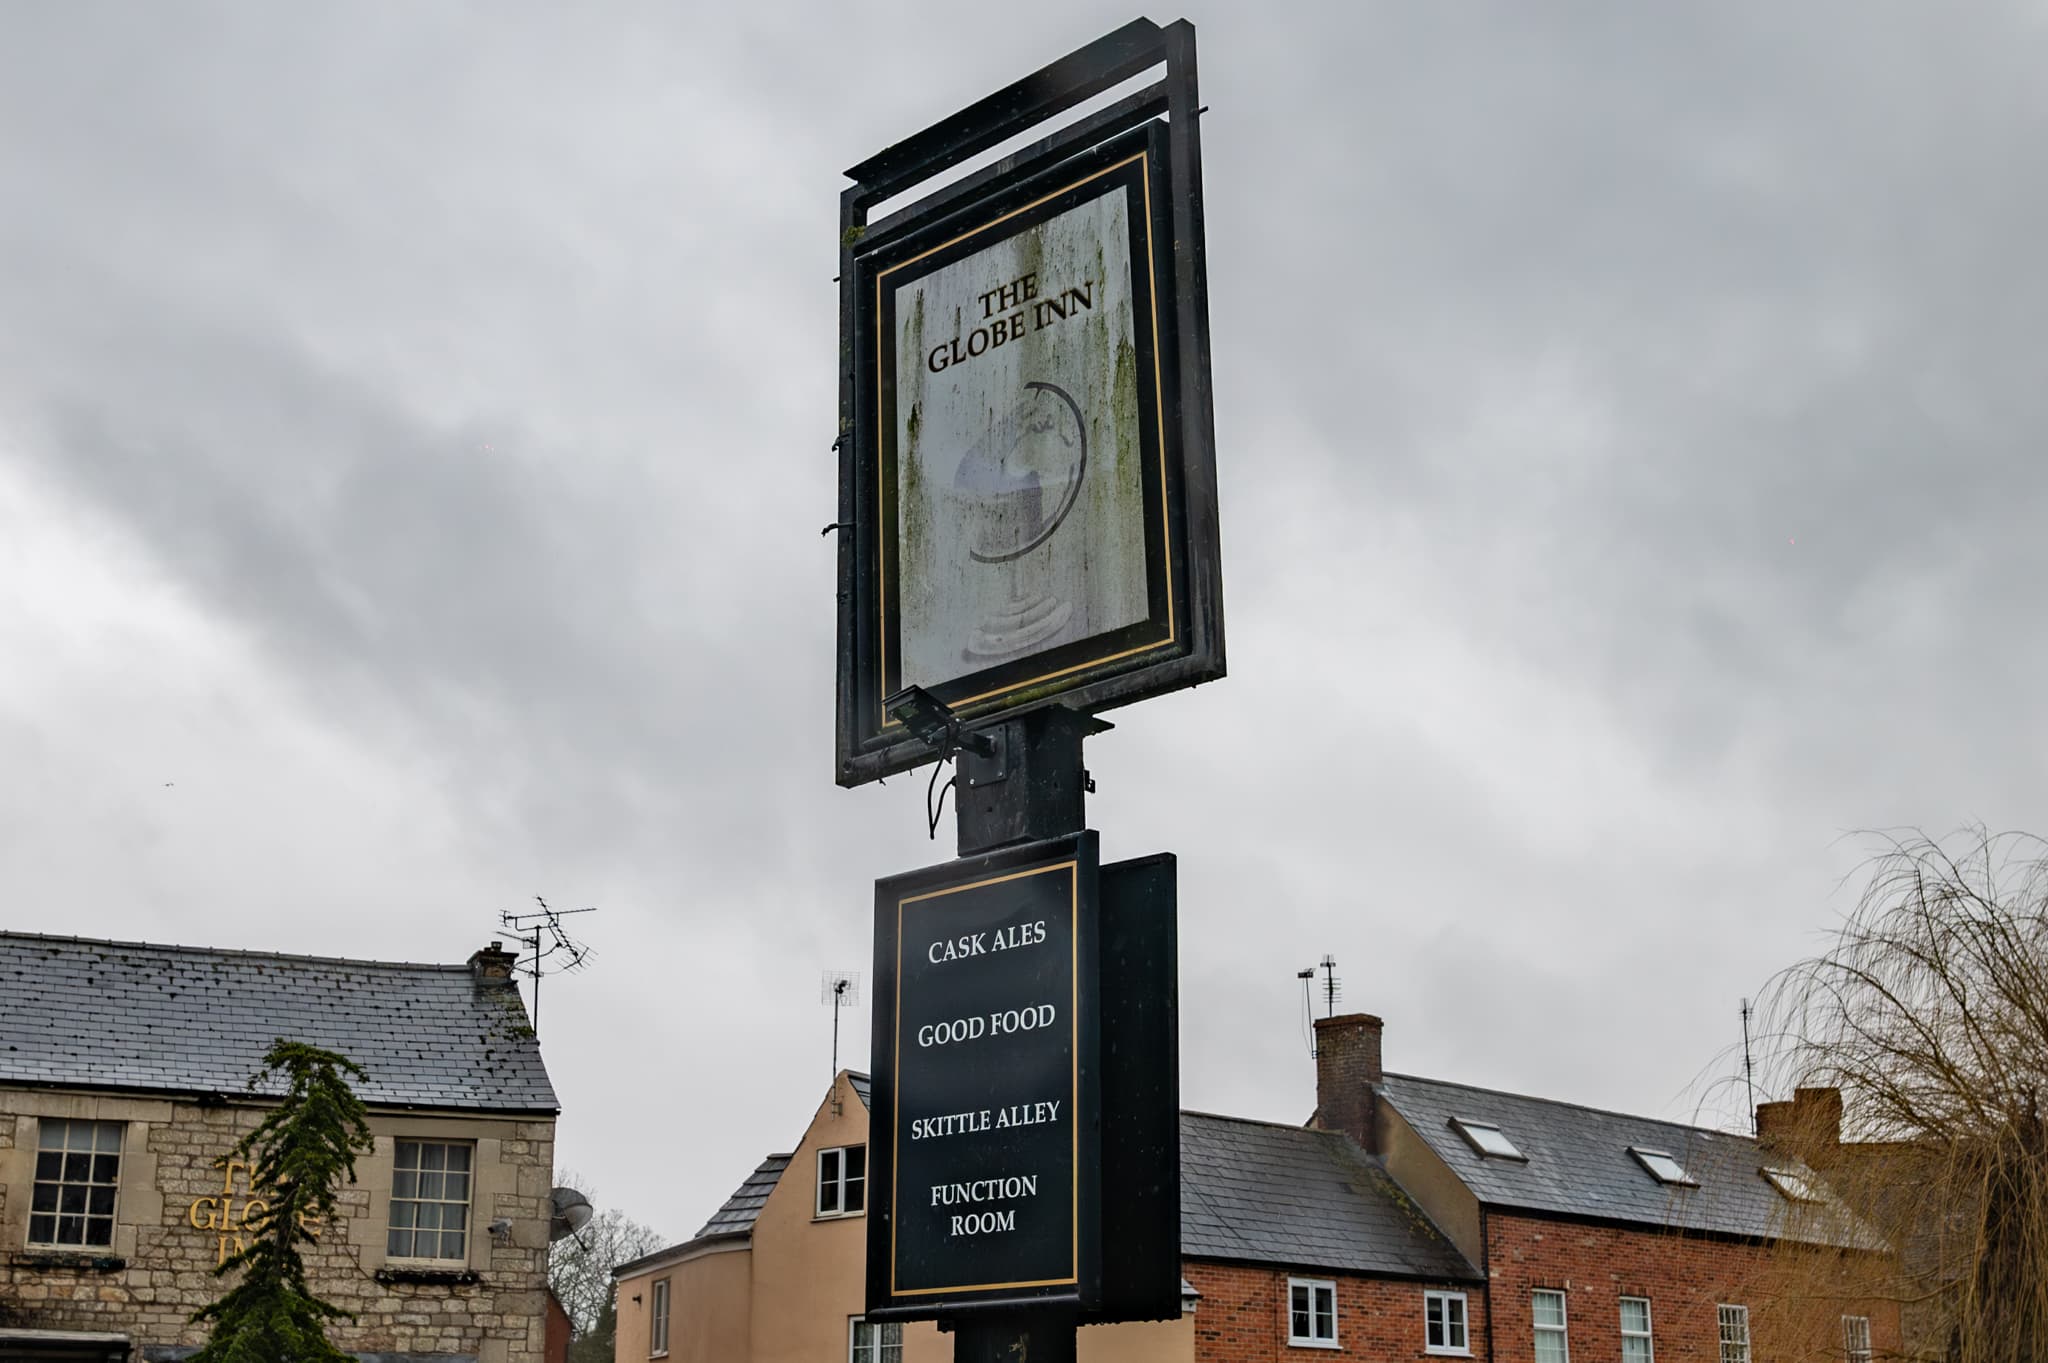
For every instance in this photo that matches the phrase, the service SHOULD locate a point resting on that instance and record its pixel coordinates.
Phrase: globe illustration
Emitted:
(1012, 491)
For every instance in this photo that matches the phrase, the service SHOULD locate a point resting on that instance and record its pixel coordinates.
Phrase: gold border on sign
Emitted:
(1073, 866)
(1144, 158)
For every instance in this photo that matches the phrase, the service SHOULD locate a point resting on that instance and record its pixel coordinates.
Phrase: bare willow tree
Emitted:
(1929, 1018)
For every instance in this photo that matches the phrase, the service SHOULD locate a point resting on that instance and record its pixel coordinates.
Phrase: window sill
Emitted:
(1446, 1353)
(445, 1275)
(43, 1257)
(1313, 1344)
(838, 1216)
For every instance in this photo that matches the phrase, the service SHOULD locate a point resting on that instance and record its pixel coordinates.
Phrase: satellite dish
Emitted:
(572, 1212)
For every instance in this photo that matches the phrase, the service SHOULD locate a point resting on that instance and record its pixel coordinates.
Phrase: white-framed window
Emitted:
(430, 1201)
(1546, 1311)
(1636, 1344)
(1856, 1339)
(657, 1319)
(1443, 1323)
(78, 1176)
(842, 1180)
(874, 1342)
(1312, 1313)
(1734, 1321)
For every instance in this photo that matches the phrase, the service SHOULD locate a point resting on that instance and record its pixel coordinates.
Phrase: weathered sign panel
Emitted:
(986, 1155)
(1028, 496)
(1015, 466)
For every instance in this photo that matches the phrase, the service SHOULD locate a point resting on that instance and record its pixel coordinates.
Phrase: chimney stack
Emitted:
(1810, 1125)
(492, 963)
(1347, 1067)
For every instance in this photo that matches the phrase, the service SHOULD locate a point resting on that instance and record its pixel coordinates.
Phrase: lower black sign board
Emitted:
(1024, 1148)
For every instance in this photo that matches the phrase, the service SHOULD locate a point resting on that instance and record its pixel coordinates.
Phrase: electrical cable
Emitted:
(931, 812)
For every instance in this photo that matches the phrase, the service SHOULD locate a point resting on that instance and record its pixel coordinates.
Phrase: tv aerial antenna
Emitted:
(839, 989)
(550, 949)
(1333, 988)
(1748, 1067)
(1308, 1009)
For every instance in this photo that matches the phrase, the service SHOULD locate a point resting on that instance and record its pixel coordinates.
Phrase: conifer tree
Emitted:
(298, 1157)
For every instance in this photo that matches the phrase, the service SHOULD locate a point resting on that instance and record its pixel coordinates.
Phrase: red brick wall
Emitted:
(561, 1330)
(1242, 1317)
(1795, 1308)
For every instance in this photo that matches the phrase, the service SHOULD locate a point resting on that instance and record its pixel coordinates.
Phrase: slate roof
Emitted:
(738, 1214)
(1579, 1165)
(1265, 1193)
(130, 1015)
(1250, 1192)
(862, 1087)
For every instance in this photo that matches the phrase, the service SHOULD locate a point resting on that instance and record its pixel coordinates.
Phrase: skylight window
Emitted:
(1795, 1186)
(1663, 1167)
(1488, 1139)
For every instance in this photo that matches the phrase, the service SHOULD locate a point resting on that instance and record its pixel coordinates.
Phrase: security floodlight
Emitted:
(933, 722)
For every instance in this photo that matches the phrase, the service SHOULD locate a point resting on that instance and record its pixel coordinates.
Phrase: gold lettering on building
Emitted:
(231, 1218)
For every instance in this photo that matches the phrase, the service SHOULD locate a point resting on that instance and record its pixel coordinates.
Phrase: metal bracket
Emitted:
(987, 771)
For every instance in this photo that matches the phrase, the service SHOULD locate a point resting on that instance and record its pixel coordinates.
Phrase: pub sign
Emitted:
(1027, 478)
(985, 1156)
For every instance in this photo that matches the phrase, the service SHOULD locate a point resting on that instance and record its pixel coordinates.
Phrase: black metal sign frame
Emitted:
(1147, 146)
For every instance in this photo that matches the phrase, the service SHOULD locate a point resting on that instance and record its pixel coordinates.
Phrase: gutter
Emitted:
(683, 1253)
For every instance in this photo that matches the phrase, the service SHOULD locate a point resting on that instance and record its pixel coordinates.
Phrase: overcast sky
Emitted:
(415, 427)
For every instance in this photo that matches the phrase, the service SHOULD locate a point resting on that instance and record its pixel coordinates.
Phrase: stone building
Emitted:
(125, 1080)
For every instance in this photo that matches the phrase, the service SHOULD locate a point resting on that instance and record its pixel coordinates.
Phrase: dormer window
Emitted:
(1793, 1185)
(1662, 1167)
(1488, 1139)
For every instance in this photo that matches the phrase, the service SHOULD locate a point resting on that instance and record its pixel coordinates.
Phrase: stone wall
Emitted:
(178, 1212)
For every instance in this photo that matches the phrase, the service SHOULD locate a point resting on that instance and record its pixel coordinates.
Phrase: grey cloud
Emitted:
(474, 364)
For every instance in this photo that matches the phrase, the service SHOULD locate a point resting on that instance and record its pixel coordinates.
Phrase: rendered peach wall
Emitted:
(809, 1274)
(708, 1309)
(710, 1316)
(1162, 1341)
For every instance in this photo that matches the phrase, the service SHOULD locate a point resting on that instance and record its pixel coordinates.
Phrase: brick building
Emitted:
(1411, 1219)
(1602, 1235)
(124, 1082)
